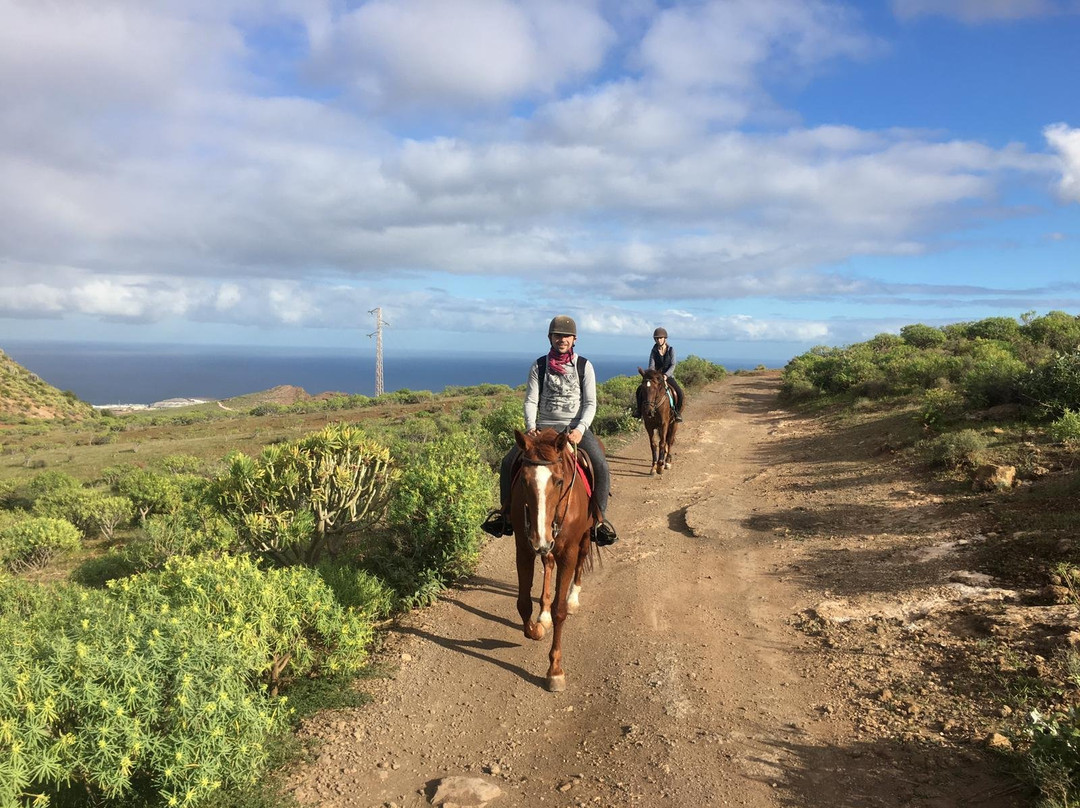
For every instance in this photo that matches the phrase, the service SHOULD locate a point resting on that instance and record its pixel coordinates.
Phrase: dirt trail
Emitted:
(687, 681)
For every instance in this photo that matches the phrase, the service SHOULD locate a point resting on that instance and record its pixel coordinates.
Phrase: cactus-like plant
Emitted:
(296, 499)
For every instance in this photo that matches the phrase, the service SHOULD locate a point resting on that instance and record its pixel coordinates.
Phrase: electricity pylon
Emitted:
(377, 333)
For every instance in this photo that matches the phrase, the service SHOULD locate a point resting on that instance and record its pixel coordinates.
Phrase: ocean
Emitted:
(105, 374)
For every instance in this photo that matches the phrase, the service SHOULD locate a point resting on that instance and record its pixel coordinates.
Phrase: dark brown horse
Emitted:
(658, 416)
(549, 508)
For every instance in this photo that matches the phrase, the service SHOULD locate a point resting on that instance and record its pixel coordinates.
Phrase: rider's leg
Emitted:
(604, 532)
(679, 397)
(497, 522)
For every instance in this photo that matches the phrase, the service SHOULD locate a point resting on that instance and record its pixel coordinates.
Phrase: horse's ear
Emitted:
(562, 440)
(519, 439)
(642, 372)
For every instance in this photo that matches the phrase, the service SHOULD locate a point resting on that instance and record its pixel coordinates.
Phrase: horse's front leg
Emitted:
(545, 591)
(572, 602)
(670, 444)
(556, 678)
(652, 446)
(526, 564)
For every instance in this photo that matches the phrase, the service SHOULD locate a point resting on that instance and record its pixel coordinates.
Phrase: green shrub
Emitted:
(437, 505)
(499, 426)
(288, 618)
(359, 589)
(940, 406)
(31, 543)
(1055, 386)
(266, 409)
(190, 530)
(1054, 756)
(114, 700)
(50, 481)
(922, 336)
(1004, 329)
(957, 450)
(150, 492)
(297, 499)
(696, 372)
(103, 514)
(179, 464)
(614, 419)
(1066, 429)
(1057, 330)
(993, 375)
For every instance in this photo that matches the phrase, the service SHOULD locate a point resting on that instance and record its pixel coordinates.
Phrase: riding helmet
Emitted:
(660, 332)
(562, 324)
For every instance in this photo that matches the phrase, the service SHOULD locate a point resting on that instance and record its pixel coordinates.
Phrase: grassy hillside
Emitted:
(24, 396)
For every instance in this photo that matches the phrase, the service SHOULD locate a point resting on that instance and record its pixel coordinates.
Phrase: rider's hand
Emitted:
(532, 433)
(575, 437)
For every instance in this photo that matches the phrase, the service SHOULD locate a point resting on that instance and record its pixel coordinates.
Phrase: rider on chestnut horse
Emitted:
(560, 393)
(662, 358)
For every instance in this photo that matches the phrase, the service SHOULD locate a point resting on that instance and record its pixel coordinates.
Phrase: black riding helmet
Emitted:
(562, 324)
(660, 332)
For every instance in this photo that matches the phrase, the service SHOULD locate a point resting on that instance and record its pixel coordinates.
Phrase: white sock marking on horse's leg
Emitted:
(572, 603)
(545, 618)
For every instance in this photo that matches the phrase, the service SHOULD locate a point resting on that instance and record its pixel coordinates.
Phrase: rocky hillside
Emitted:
(23, 395)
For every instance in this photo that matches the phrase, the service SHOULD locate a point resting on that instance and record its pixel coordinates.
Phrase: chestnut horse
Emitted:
(658, 416)
(549, 508)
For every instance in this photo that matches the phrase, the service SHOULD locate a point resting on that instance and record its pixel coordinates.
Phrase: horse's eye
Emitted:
(559, 483)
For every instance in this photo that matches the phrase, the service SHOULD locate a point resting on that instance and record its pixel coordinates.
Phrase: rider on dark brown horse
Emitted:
(564, 398)
(662, 358)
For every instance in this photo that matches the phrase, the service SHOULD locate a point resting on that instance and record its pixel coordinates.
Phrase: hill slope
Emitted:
(24, 395)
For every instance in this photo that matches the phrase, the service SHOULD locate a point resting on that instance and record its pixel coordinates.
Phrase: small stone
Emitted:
(566, 786)
(406, 657)
(995, 740)
(465, 791)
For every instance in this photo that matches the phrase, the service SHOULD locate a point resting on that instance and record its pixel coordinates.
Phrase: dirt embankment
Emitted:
(783, 623)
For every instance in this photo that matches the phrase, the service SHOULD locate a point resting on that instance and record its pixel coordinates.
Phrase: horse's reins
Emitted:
(556, 522)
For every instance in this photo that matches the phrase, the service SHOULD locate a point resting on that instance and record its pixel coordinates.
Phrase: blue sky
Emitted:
(758, 176)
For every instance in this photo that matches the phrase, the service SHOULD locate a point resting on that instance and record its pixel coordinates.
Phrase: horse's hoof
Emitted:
(556, 684)
(534, 631)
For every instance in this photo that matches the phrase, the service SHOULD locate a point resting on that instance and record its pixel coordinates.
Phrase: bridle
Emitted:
(556, 521)
(654, 402)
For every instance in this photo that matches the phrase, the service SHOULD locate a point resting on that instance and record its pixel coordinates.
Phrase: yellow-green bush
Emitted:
(31, 543)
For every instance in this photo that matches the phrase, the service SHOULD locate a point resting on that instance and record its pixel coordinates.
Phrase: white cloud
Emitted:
(1066, 142)
(727, 43)
(976, 11)
(440, 53)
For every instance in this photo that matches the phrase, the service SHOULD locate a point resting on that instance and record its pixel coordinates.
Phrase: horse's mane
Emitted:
(543, 446)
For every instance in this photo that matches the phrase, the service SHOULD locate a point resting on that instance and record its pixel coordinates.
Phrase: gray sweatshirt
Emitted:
(563, 404)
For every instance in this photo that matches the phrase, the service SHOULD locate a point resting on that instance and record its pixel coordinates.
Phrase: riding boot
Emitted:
(678, 416)
(604, 534)
(498, 523)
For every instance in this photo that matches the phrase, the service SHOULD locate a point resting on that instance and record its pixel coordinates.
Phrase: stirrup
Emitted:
(497, 523)
(678, 416)
(604, 534)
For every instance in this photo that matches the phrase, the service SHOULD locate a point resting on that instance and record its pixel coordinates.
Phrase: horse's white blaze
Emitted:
(572, 598)
(545, 618)
(543, 525)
